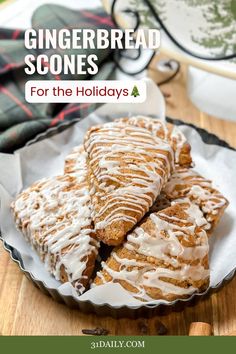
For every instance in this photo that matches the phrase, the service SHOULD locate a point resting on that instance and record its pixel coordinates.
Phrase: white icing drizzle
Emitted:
(164, 238)
(187, 183)
(76, 162)
(130, 167)
(160, 129)
(54, 215)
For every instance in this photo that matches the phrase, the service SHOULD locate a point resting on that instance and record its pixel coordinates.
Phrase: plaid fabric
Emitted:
(21, 121)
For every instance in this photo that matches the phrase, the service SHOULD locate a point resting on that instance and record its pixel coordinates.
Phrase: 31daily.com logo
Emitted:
(108, 91)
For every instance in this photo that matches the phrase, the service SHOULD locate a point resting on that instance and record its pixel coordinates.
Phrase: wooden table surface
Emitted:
(24, 310)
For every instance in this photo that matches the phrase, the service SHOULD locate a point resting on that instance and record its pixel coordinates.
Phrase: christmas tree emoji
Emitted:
(135, 92)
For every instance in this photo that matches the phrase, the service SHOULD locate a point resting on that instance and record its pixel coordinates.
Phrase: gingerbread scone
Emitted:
(127, 167)
(76, 162)
(54, 216)
(168, 132)
(166, 257)
(188, 183)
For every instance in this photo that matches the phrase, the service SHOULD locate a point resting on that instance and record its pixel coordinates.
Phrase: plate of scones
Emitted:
(130, 212)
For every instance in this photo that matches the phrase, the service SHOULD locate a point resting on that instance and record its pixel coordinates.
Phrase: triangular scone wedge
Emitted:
(54, 216)
(127, 167)
(168, 132)
(187, 183)
(165, 257)
(76, 162)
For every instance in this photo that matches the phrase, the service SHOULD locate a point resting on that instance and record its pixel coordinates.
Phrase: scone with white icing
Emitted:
(187, 183)
(76, 162)
(54, 216)
(165, 257)
(127, 168)
(168, 132)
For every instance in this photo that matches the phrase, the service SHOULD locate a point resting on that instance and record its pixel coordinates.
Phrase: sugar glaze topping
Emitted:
(76, 162)
(168, 253)
(160, 129)
(186, 182)
(54, 215)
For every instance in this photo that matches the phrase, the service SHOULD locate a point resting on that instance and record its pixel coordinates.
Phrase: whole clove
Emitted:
(96, 331)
